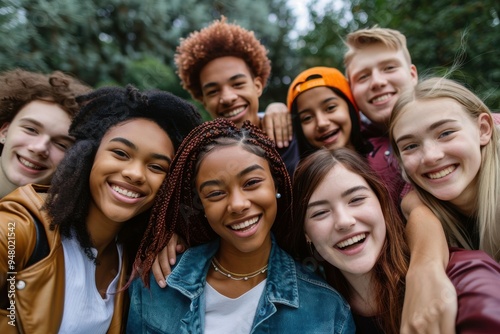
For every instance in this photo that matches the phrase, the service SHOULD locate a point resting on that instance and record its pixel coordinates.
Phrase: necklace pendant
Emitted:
(246, 278)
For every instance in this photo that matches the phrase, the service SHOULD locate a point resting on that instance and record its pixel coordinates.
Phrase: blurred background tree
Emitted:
(133, 41)
(457, 38)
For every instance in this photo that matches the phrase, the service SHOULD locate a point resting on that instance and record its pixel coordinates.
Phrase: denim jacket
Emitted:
(294, 299)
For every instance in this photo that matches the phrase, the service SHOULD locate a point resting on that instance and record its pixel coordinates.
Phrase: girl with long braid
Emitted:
(229, 196)
(90, 219)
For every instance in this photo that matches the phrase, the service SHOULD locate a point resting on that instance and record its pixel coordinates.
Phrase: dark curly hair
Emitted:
(19, 87)
(178, 208)
(220, 39)
(69, 194)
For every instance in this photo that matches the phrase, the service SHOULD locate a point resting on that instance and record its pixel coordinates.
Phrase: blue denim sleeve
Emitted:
(350, 327)
(134, 314)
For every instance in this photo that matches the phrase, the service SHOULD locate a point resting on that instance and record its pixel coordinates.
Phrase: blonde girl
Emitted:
(447, 142)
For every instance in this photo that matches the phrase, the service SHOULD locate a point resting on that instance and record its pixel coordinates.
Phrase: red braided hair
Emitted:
(178, 209)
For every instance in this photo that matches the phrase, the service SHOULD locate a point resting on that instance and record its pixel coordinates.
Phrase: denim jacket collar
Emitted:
(189, 276)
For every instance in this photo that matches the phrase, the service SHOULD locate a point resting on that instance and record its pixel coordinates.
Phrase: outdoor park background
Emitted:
(133, 41)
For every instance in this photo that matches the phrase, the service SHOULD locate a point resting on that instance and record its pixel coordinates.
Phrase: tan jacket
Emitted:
(38, 289)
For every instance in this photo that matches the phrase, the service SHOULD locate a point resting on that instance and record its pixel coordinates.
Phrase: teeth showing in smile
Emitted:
(441, 173)
(244, 224)
(351, 241)
(125, 192)
(330, 134)
(233, 112)
(29, 164)
(381, 98)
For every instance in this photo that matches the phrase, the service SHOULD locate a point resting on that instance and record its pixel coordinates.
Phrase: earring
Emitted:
(278, 195)
(2, 141)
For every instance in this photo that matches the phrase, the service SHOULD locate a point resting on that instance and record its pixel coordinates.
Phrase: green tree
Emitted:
(459, 39)
(131, 41)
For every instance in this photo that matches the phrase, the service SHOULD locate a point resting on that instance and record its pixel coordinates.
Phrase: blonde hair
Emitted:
(488, 186)
(360, 39)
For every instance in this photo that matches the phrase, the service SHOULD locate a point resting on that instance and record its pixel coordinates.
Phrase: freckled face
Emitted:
(345, 222)
(238, 195)
(130, 164)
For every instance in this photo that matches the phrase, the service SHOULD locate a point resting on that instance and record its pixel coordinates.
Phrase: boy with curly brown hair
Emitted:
(35, 113)
(226, 68)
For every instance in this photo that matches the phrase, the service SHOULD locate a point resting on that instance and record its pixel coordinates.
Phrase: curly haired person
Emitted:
(92, 215)
(229, 196)
(35, 114)
(226, 68)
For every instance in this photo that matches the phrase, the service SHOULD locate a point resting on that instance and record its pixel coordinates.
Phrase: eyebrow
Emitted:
(353, 190)
(382, 63)
(240, 174)
(322, 102)
(37, 123)
(131, 145)
(32, 120)
(343, 194)
(213, 84)
(431, 127)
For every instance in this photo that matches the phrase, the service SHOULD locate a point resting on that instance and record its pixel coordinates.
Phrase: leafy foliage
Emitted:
(133, 41)
(459, 39)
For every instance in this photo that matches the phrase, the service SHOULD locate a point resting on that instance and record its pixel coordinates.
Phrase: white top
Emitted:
(85, 311)
(228, 315)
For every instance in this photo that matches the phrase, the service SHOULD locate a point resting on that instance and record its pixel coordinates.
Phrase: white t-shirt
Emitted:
(228, 315)
(85, 311)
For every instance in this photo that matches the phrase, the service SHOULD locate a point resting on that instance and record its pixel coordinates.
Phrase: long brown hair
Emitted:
(178, 208)
(390, 270)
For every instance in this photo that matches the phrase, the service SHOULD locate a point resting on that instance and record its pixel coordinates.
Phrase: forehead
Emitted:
(337, 180)
(228, 161)
(223, 69)
(316, 94)
(141, 131)
(46, 113)
(133, 126)
(374, 55)
(433, 109)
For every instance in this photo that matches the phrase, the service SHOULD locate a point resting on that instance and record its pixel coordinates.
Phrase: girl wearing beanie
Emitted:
(324, 113)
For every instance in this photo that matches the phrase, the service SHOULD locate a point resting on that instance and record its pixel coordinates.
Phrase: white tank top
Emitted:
(85, 311)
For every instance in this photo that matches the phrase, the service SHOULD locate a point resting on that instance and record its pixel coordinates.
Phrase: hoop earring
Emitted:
(2, 141)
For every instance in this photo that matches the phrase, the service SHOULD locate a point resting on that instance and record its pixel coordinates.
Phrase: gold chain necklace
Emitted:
(237, 277)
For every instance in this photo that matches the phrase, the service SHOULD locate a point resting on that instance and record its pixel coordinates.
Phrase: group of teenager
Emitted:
(121, 211)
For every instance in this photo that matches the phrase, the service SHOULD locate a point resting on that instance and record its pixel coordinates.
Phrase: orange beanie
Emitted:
(323, 77)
